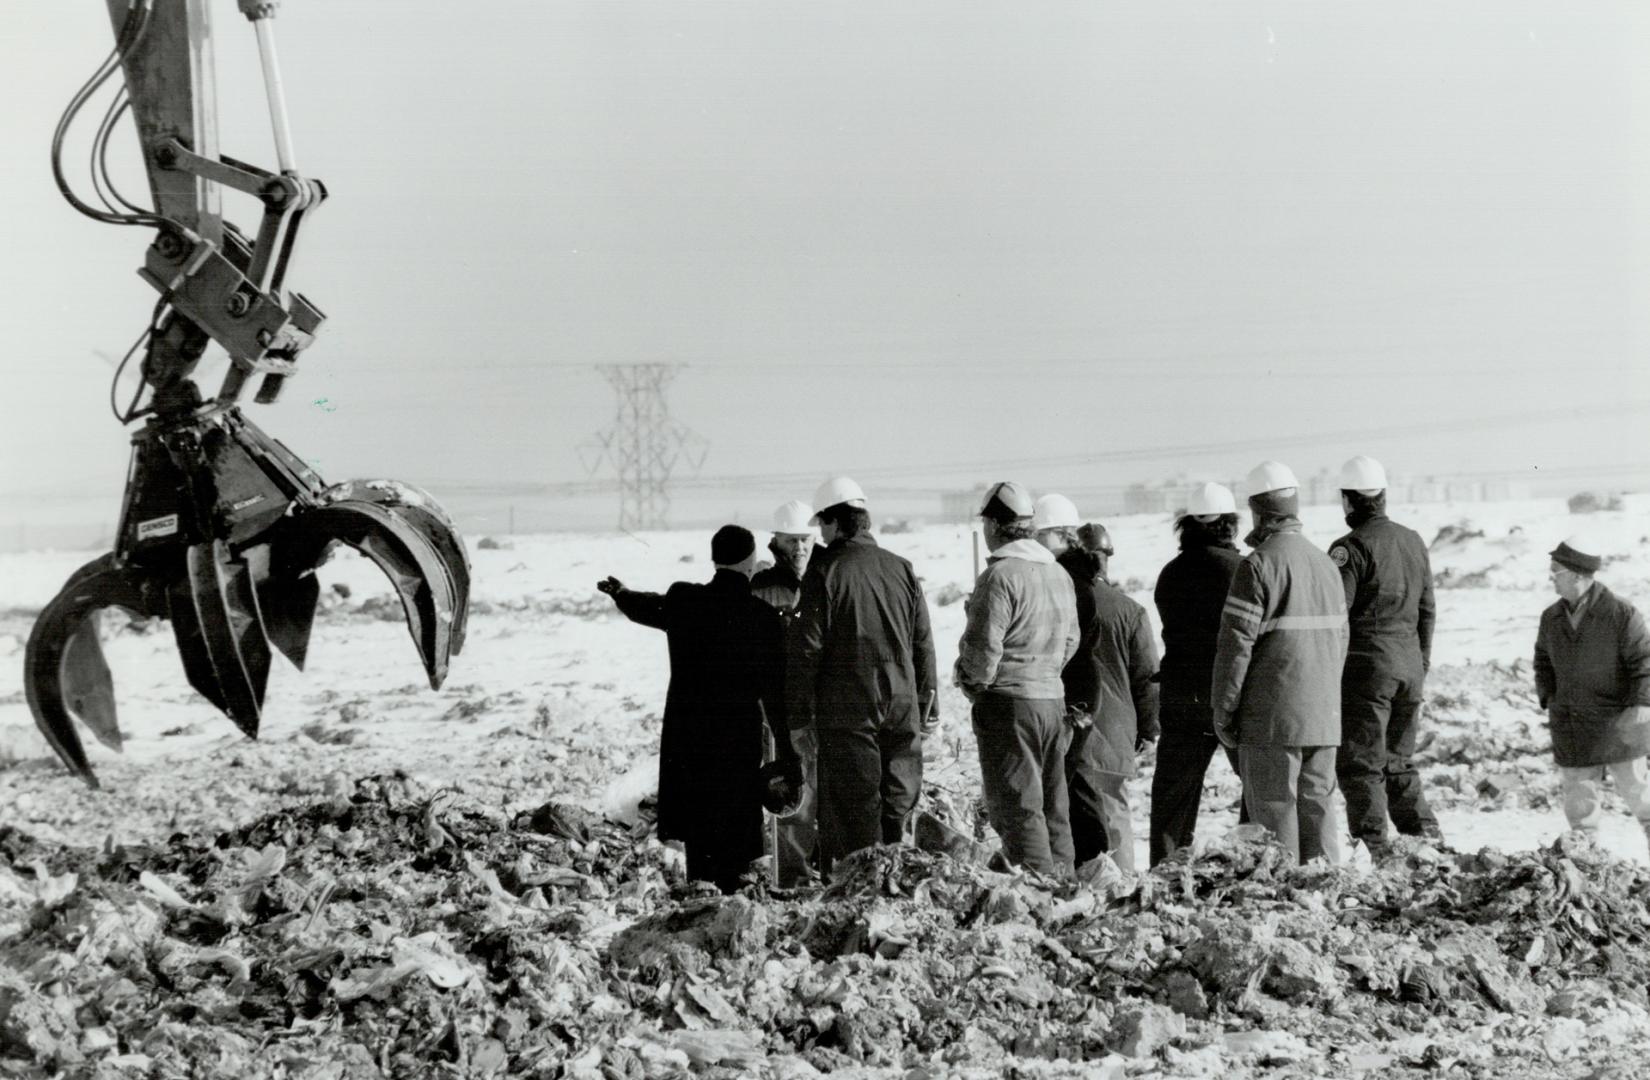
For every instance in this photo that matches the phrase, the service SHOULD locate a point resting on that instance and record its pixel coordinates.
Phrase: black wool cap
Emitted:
(731, 545)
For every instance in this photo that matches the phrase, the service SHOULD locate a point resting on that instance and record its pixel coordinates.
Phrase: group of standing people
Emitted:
(1305, 667)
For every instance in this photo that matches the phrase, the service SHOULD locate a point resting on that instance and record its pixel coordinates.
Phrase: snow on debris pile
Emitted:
(395, 932)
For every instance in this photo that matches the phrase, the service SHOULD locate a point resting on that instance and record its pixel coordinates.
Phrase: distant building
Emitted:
(1322, 488)
(1158, 498)
(961, 505)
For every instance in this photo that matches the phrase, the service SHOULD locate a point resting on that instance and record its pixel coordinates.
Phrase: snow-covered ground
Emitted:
(556, 696)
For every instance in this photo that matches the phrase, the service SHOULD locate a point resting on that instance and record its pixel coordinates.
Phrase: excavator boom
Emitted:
(222, 527)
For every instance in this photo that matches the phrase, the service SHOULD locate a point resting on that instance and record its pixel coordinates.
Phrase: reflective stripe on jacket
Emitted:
(1283, 639)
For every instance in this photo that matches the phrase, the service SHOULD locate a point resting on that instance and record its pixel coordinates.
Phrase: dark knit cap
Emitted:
(1572, 559)
(731, 545)
(1272, 504)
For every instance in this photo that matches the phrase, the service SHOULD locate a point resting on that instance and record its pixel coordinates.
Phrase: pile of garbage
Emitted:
(392, 931)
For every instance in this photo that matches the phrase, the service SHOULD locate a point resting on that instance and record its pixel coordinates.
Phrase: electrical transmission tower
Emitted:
(644, 444)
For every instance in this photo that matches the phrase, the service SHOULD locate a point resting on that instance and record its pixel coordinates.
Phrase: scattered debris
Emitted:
(1455, 535)
(390, 930)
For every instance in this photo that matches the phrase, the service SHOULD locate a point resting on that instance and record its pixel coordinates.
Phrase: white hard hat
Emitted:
(834, 492)
(1055, 512)
(1270, 476)
(1208, 499)
(1363, 473)
(791, 519)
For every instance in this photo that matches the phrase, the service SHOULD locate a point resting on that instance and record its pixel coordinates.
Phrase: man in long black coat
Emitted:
(727, 664)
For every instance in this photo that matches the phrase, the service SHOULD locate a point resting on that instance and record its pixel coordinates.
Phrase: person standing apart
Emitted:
(1276, 684)
(1592, 676)
(1021, 631)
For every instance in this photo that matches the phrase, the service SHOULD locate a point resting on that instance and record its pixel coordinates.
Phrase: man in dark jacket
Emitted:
(861, 669)
(1592, 675)
(1110, 690)
(796, 837)
(1276, 686)
(1390, 613)
(791, 546)
(1191, 591)
(726, 667)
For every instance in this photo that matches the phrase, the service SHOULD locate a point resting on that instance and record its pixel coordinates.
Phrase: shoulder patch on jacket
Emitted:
(1339, 555)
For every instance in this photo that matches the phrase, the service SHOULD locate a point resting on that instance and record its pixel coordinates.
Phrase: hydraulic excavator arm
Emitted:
(222, 526)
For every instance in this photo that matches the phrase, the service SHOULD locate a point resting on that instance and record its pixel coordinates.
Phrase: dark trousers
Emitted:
(711, 862)
(796, 838)
(1289, 790)
(869, 776)
(1023, 766)
(1380, 710)
(1097, 775)
(1184, 751)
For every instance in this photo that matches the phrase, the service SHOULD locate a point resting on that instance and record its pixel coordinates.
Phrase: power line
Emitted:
(999, 466)
(1183, 450)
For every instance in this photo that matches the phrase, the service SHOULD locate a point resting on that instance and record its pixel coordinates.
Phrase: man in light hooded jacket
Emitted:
(1022, 629)
(1276, 685)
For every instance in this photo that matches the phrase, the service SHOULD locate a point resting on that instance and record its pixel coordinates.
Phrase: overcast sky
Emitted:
(899, 238)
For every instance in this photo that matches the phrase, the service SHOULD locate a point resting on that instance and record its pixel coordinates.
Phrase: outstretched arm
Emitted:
(646, 608)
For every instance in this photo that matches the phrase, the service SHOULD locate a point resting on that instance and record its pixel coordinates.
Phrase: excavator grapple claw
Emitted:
(232, 566)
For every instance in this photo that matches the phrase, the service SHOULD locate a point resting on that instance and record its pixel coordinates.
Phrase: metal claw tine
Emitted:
(384, 535)
(288, 603)
(88, 687)
(419, 508)
(232, 630)
(455, 562)
(64, 669)
(191, 640)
